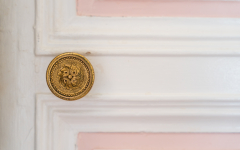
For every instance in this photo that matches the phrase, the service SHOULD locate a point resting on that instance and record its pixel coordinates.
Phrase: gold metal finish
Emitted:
(70, 76)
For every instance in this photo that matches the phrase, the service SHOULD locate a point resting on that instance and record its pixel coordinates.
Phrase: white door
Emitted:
(152, 75)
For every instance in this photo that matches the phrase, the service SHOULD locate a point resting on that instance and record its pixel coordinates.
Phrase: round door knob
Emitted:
(70, 76)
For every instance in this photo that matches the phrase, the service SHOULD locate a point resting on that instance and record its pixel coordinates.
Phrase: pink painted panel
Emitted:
(158, 141)
(141, 8)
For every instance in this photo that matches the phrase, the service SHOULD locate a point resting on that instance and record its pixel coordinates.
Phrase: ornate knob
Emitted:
(70, 76)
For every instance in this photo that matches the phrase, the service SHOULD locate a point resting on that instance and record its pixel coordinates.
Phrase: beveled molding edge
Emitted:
(59, 29)
(58, 122)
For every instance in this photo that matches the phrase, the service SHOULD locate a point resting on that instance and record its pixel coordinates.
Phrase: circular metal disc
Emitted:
(70, 76)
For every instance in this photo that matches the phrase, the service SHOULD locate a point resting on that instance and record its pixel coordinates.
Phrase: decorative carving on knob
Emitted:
(70, 76)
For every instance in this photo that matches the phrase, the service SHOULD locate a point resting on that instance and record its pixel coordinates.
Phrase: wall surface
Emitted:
(17, 19)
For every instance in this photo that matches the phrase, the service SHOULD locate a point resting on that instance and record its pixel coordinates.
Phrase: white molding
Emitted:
(59, 30)
(59, 122)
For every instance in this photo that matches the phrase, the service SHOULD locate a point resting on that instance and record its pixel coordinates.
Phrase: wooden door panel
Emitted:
(152, 74)
(158, 8)
(157, 141)
(162, 77)
(59, 122)
(60, 29)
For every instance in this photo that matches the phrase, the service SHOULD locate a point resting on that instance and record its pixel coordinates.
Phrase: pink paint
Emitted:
(158, 141)
(140, 8)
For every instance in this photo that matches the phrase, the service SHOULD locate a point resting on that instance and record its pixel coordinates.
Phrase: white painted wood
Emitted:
(59, 122)
(174, 94)
(59, 29)
(147, 75)
(143, 94)
(17, 88)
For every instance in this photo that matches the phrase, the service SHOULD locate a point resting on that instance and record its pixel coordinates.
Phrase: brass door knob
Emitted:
(70, 76)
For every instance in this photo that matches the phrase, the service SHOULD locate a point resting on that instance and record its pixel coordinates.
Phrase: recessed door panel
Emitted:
(157, 141)
(158, 8)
